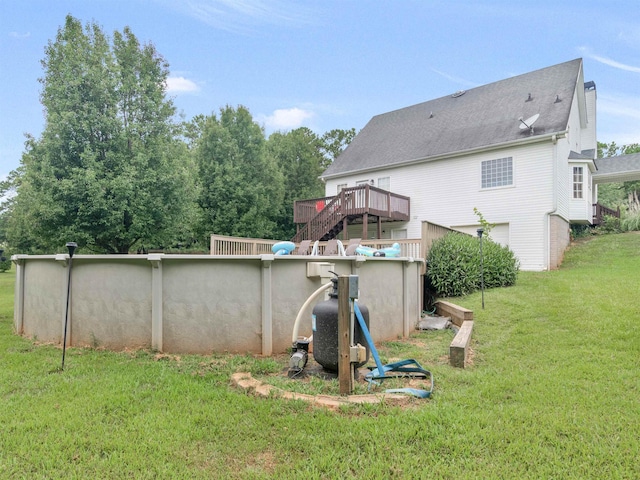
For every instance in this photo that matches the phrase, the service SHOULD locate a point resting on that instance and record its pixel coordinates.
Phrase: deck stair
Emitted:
(324, 218)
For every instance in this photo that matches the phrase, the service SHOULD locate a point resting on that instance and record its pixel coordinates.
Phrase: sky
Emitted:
(328, 64)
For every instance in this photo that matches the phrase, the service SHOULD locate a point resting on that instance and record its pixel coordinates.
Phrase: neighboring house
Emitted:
(520, 150)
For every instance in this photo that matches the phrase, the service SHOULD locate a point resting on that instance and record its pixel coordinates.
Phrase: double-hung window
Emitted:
(497, 172)
(384, 183)
(577, 182)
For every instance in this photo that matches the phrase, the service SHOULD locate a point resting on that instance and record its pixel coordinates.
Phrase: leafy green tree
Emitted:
(108, 170)
(612, 149)
(334, 142)
(299, 154)
(240, 186)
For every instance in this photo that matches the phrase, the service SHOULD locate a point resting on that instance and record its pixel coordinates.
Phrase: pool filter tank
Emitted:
(325, 331)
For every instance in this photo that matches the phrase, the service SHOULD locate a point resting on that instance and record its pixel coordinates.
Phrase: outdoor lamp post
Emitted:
(71, 246)
(480, 232)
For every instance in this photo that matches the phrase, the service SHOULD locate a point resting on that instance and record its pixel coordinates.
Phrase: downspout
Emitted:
(554, 209)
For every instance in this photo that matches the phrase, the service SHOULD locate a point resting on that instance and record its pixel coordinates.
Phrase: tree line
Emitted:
(114, 171)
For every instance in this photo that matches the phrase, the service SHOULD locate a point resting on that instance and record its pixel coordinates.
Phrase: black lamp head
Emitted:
(480, 232)
(71, 246)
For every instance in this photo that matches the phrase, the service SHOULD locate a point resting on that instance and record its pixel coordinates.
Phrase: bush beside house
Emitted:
(454, 265)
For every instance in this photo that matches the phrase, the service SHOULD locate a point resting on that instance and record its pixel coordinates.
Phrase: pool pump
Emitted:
(299, 357)
(325, 329)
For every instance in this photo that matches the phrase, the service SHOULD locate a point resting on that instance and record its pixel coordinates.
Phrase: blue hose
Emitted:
(404, 366)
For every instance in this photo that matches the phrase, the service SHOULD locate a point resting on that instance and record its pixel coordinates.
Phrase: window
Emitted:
(384, 183)
(497, 173)
(399, 234)
(577, 182)
(341, 187)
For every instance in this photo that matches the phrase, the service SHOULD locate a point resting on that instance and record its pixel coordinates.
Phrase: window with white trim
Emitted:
(497, 172)
(341, 187)
(384, 183)
(578, 177)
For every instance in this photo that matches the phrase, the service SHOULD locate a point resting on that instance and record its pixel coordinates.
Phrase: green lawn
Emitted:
(553, 392)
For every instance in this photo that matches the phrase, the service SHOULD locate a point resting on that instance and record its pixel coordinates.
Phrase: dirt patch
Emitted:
(245, 381)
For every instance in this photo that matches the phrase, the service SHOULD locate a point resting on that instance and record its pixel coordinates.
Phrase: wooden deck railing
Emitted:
(408, 247)
(225, 245)
(320, 215)
(600, 211)
(416, 248)
(355, 200)
(327, 218)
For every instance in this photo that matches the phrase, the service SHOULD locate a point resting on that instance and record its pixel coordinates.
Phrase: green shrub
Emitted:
(579, 231)
(500, 265)
(454, 268)
(6, 263)
(631, 223)
(609, 225)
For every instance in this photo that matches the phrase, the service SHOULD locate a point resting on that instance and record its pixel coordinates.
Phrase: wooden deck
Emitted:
(323, 218)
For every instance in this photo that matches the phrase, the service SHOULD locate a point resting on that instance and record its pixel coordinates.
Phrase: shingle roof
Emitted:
(584, 155)
(622, 168)
(480, 117)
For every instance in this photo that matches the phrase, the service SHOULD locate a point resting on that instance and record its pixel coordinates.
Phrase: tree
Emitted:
(333, 144)
(241, 188)
(107, 170)
(299, 154)
(613, 150)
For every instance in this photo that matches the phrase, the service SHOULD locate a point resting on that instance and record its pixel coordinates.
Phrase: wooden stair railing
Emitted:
(326, 220)
(350, 203)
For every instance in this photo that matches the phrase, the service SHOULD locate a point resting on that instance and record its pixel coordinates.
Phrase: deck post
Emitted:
(365, 226)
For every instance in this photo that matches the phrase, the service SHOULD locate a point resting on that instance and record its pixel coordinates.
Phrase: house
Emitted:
(521, 151)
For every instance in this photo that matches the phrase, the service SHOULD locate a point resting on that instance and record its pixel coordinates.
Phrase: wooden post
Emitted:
(365, 226)
(344, 319)
(424, 242)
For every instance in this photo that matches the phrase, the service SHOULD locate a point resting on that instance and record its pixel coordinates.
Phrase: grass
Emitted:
(552, 393)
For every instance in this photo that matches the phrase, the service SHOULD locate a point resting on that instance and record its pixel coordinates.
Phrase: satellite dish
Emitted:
(528, 123)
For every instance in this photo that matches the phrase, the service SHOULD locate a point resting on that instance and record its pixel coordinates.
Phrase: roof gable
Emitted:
(479, 117)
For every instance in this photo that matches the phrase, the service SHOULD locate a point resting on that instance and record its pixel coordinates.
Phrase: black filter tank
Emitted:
(325, 331)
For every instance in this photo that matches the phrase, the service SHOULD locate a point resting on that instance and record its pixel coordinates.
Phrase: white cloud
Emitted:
(287, 118)
(19, 35)
(242, 16)
(619, 119)
(181, 85)
(620, 106)
(614, 64)
(610, 62)
(454, 79)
